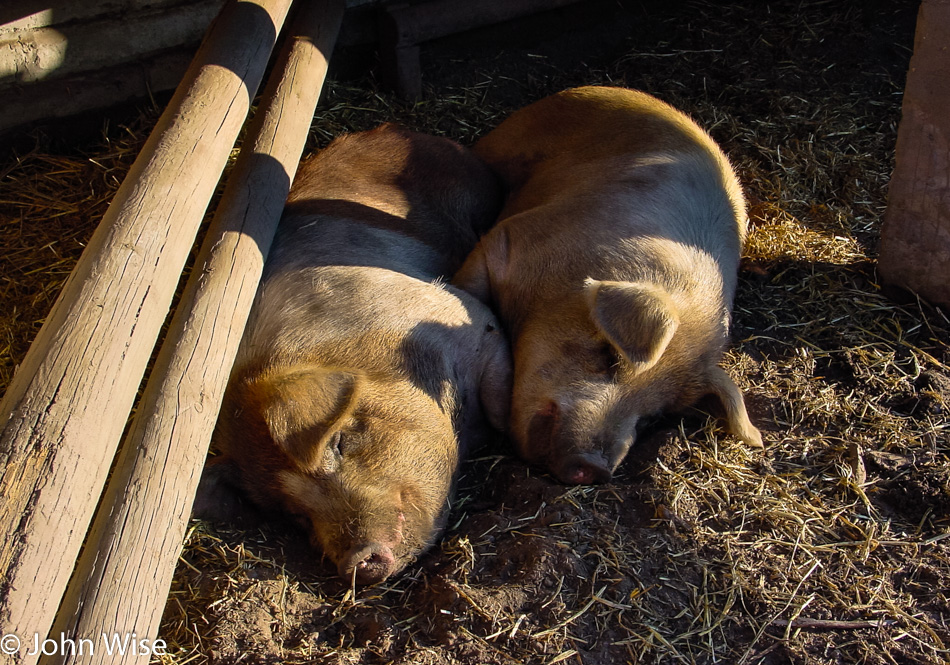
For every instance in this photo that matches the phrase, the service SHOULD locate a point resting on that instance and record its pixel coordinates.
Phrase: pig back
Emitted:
(392, 193)
(592, 134)
(371, 222)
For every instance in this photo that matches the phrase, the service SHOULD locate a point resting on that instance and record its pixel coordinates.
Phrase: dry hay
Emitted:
(832, 547)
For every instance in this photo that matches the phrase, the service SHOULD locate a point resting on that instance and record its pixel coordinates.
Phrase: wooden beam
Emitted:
(44, 100)
(915, 237)
(61, 50)
(24, 15)
(137, 535)
(65, 410)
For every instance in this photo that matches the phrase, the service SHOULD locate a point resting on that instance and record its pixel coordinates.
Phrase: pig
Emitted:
(363, 378)
(613, 269)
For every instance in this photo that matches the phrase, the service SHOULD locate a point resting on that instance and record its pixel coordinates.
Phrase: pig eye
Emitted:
(336, 444)
(606, 359)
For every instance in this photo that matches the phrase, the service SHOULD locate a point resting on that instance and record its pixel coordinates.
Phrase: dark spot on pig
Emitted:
(423, 359)
(218, 497)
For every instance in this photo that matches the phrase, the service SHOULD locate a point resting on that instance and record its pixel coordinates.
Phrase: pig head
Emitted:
(362, 378)
(613, 268)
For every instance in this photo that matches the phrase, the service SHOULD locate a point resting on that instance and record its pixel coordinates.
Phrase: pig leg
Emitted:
(721, 385)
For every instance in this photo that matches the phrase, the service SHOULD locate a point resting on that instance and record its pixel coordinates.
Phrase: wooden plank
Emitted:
(63, 50)
(137, 534)
(65, 410)
(915, 237)
(45, 100)
(24, 15)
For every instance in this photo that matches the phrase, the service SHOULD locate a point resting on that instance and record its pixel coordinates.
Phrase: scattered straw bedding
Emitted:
(831, 547)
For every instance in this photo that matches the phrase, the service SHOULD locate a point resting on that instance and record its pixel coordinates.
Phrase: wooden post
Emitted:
(915, 238)
(64, 412)
(122, 580)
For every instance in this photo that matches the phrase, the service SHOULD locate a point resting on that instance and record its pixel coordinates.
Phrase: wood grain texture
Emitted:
(915, 238)
(64, 412)
(25, 15)
(89, 45)
(122, 580)
(44, 100)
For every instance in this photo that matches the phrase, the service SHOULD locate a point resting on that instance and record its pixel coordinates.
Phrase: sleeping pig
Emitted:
(613, 268)
(362, 378)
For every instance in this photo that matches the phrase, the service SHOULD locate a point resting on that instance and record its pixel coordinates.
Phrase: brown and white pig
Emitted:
(362, 377)
(613, 268)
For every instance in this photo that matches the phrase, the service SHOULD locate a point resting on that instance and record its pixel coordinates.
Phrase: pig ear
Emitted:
(723, 387)
(639, 319)
(495, 387)
(305, 406)
(486, 267)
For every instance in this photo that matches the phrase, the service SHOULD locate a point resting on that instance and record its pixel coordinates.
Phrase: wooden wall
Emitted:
(62, 57)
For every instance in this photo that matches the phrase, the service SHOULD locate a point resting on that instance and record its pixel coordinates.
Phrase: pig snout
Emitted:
(544, 446)
(582, 469)
(375, 555)
(371, 563)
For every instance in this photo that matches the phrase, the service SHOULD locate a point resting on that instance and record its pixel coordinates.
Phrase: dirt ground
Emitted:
(831, 546)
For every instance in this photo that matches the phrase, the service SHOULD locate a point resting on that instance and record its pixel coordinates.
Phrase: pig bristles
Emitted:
(702, 558)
